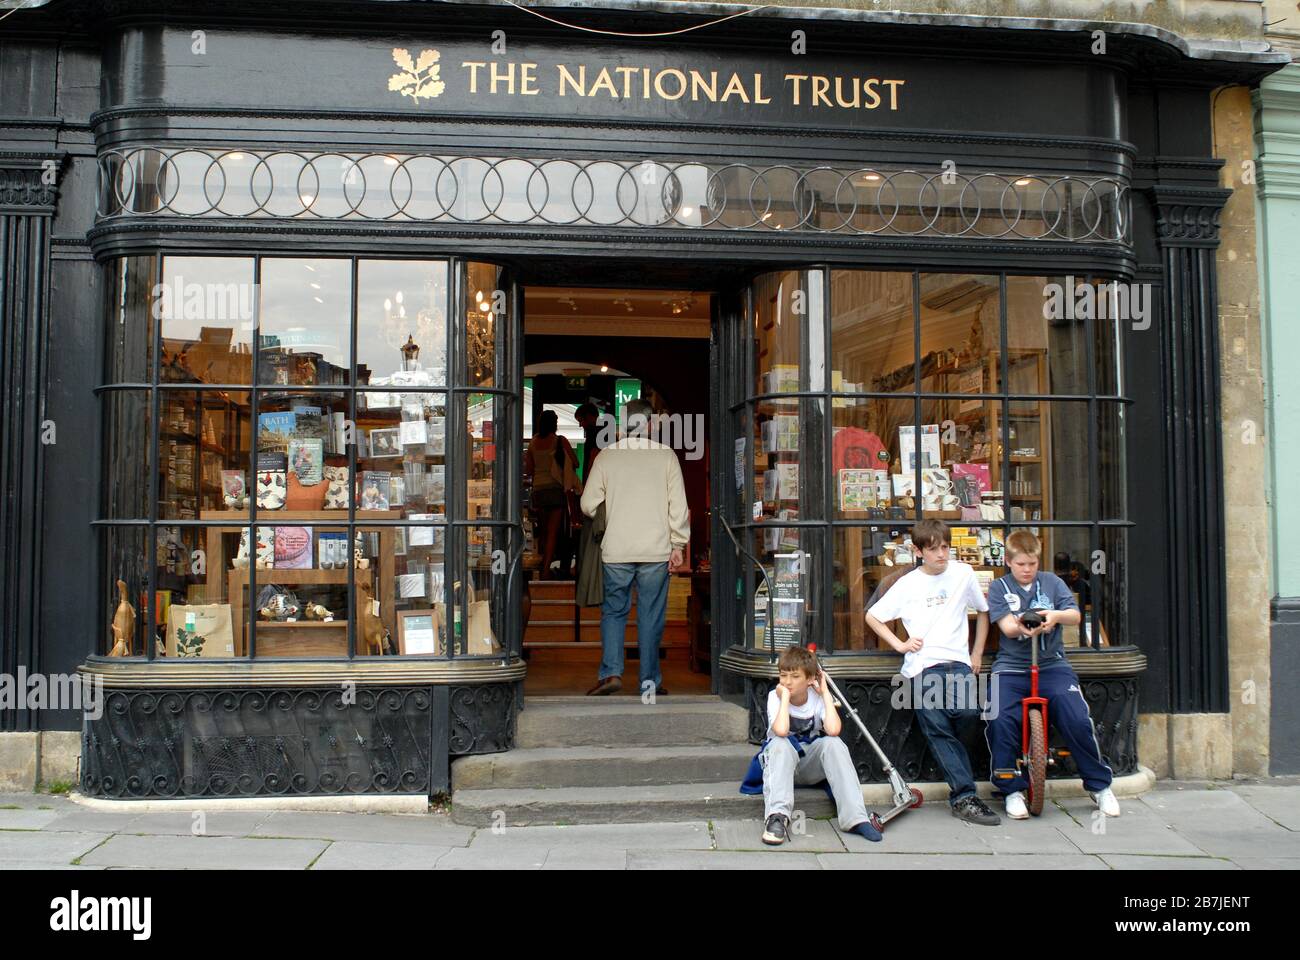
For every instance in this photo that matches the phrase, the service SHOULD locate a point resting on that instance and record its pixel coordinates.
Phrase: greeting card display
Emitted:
(272, 486)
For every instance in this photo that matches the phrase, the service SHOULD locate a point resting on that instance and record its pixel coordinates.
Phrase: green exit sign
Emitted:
(625, 389)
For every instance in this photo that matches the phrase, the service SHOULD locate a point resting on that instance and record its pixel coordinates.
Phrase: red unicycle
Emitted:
(1035, 757)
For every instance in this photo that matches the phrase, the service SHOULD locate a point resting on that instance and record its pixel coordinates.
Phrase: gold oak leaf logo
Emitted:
(419, 78)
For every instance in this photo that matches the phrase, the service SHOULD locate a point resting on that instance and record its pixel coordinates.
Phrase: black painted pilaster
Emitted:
(1187, 232)
(28, 192)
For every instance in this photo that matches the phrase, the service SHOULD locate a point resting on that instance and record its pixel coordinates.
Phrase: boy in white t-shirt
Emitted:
(931, 601)
(803, 745)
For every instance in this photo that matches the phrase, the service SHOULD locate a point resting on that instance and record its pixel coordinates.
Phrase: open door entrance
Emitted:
(585, 348)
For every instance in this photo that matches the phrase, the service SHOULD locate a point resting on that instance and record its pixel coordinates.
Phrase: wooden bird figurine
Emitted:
(123, 625)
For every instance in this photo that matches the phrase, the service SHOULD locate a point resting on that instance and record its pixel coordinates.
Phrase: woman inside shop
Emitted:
(551, 464)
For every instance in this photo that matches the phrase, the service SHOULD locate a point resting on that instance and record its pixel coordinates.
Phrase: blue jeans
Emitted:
(944, 726)
(651, 604)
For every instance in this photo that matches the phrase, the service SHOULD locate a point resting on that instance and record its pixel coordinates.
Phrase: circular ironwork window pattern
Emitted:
(659, 194)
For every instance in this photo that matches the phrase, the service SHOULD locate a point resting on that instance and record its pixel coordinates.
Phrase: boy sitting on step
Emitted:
(803, 746)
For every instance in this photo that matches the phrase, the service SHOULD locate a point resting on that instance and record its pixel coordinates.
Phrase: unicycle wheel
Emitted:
(918, 798)
(1037, 762)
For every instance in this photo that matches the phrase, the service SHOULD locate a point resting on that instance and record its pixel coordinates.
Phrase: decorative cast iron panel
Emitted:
(1111, 701)
(482, 719)
(254, 742)
(214, 182)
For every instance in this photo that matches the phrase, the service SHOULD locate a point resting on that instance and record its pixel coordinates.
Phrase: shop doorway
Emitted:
(603, 346)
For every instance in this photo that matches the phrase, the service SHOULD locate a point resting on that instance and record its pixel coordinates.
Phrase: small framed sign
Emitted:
(416, 631)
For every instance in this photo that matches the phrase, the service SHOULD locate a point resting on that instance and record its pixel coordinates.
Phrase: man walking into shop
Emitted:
(647, 525)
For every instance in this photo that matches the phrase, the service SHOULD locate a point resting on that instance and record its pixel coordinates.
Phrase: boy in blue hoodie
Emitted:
(1028, 588)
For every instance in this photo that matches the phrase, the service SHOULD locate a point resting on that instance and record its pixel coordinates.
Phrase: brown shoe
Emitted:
(606, 687)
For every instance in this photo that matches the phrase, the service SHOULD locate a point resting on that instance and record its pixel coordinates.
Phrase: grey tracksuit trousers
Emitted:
(826, 758)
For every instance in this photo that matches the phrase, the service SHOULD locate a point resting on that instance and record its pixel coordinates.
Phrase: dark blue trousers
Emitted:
(1067, 711)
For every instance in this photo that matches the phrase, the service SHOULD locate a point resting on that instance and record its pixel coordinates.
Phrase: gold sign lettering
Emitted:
(510, 78)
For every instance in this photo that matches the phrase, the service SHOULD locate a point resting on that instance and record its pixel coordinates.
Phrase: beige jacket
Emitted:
(646, 517)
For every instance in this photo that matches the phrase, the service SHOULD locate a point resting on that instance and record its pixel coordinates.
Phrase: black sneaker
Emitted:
(973, 810)
(777, 830)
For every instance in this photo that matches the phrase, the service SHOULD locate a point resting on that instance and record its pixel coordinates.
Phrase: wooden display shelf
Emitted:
(381, 570)
(302, 639)
(272, 518)
(301, 625)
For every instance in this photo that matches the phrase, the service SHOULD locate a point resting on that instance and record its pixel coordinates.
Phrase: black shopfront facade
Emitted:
(257, 208)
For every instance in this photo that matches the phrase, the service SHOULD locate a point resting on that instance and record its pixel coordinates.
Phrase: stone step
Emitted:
(624, 721)
(551, 767)
(664, 803)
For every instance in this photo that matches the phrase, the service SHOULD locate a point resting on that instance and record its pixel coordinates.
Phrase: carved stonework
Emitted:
(1188, 216)
(29, 181)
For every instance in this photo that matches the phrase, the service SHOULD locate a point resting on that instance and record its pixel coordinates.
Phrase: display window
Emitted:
(293, 467)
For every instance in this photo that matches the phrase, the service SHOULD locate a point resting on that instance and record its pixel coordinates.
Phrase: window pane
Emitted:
(302, 600)
(1067, 552)
(1109, 620)
(788, 466)
(869, 482)
(207, 320)
(126, 559)
(779, 305)
(793, 558)
(872, 332)
(402, 322)
(201, 587)
(402, 454)
(306, 309)
(203, 438)
(409, 574)
(1108, 355)
(301, 455)
(130, 321)
(126, 461)
(1047, 344)
(479, 599)
(490, 421)
(1048, 448)
(960, 333)
(487, 320)
(1111, 475)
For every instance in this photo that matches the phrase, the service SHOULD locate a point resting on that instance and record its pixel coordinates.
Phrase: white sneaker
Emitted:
(1106, 802)
(1016, 807)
